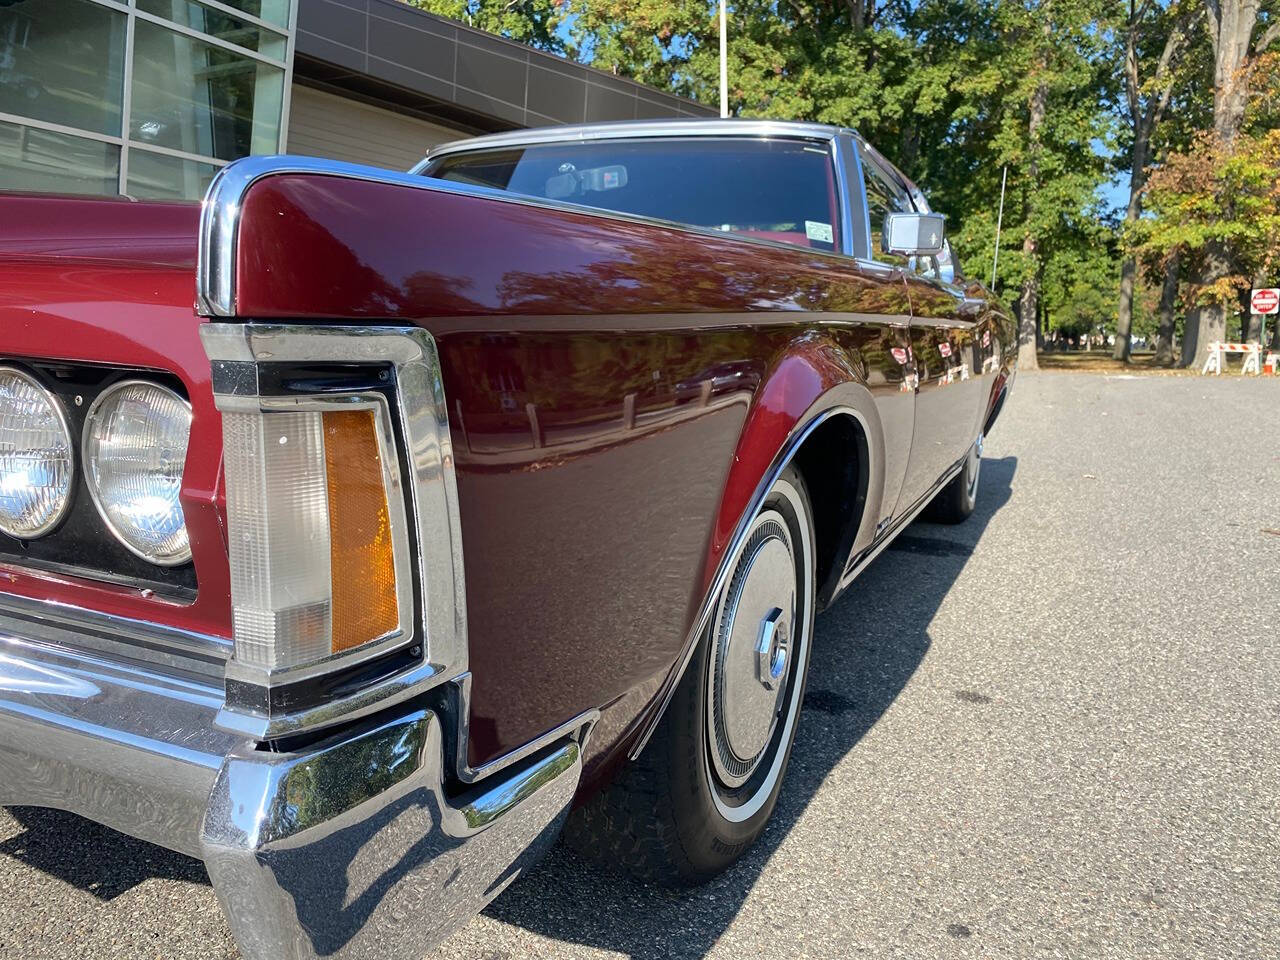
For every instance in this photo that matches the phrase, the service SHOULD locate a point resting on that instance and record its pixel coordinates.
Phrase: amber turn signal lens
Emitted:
(362, 561)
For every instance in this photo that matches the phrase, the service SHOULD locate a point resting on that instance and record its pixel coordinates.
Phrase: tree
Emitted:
(535, 22)
(1218, 201)
(1147, 93)
(952, 91)
(1231, 26)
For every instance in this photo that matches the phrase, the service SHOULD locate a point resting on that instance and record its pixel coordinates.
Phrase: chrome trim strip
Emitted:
(635, 129)
(234, 349)
(729, 558)
(579, 729)
(892, 532)
(92, 626)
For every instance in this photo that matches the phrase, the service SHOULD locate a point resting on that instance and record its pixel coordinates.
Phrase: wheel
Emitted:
(706, 784)
(956, 500)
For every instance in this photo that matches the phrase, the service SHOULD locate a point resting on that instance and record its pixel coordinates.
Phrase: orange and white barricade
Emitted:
(1217, 351)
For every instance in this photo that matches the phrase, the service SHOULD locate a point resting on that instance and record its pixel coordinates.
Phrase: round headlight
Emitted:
(135, 445)
(36, 459)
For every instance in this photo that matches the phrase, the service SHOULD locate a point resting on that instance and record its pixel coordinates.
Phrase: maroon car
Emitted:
(461, 500)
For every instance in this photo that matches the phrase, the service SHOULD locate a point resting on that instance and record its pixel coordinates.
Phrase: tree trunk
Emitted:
(1028, 308)
(1251, 326)
(1124, 316)
(1129, 267)
(1231, 24)
(1168, 302)
(1029, 305)
(1212, 317)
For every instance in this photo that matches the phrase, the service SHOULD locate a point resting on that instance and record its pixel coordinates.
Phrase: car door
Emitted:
(896, 406)
(944, 334)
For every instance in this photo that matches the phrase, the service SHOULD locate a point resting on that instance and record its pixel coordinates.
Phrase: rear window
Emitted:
(782, 190)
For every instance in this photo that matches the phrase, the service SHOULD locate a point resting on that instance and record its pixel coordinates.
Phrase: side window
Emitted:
(884, 196)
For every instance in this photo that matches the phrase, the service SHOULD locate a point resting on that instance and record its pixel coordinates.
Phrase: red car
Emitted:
(462, 499)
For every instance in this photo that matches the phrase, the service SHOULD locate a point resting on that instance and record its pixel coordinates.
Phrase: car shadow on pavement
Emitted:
(90, 856)
(867, 646)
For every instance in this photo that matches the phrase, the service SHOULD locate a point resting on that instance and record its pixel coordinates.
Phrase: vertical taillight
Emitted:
(318, 537)
(345, 547)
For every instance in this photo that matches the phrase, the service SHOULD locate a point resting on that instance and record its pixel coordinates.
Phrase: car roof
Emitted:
(631, 129)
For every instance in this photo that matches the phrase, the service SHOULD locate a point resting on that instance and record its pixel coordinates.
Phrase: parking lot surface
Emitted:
(1053, 731)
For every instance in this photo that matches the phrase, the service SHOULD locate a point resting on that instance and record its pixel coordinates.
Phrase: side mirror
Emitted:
(913, 234)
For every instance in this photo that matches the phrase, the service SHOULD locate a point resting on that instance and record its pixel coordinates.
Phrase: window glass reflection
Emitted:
(217, 23)
(198, 98)
(154, 176)
(40, 160)
(62, 61)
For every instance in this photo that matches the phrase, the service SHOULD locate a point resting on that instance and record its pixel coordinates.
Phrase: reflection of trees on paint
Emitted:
(654, 271)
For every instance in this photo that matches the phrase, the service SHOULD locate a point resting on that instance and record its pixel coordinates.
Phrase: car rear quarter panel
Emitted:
(616, 392)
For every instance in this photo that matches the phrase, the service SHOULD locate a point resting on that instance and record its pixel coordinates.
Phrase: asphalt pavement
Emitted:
(1053, 731)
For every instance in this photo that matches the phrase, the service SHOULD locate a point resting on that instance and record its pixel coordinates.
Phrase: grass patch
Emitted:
(1100, 361)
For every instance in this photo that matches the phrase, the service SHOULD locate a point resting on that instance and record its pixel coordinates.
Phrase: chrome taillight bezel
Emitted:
(250, 366)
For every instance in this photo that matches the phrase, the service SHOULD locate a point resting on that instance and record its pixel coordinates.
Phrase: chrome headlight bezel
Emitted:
(91, 481)
(60, 413)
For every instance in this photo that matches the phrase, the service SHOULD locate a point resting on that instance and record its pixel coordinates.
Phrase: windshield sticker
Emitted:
(818, 231)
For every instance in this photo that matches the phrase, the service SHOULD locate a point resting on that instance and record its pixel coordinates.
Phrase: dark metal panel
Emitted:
(419, 50)
(430, 66)
(495, 76)
(339, 21)
(557, 94)
(609, 104)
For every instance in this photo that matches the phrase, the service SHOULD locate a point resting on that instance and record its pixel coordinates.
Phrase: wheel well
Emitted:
(833, 462)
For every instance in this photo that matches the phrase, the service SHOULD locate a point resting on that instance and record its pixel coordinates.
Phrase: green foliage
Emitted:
(1210, 192)
(945, 88)
(535, 22)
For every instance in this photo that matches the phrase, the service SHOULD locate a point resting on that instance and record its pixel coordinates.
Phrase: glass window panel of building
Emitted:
(90, 103)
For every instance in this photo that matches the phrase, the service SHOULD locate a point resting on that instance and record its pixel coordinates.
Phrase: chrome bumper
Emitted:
(347, 848)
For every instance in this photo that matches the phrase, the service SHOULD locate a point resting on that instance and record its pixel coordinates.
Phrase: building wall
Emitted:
(147, 98)
(324, 125)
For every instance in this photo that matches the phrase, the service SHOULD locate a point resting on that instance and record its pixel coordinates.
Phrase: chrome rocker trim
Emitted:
(348, 848)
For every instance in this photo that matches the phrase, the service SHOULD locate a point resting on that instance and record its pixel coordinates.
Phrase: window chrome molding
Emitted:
(220, 217)
(234, 351)
(629, 129)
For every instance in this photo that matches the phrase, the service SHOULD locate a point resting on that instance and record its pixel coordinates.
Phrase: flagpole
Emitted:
(724, 63)
(995, 260)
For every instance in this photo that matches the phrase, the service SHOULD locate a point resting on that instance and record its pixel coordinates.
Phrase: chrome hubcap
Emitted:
(752, 654)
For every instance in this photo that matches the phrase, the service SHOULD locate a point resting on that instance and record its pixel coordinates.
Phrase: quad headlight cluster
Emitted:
(132, 450)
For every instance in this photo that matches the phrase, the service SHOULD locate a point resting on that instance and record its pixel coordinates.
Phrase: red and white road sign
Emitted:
(1265, 302)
